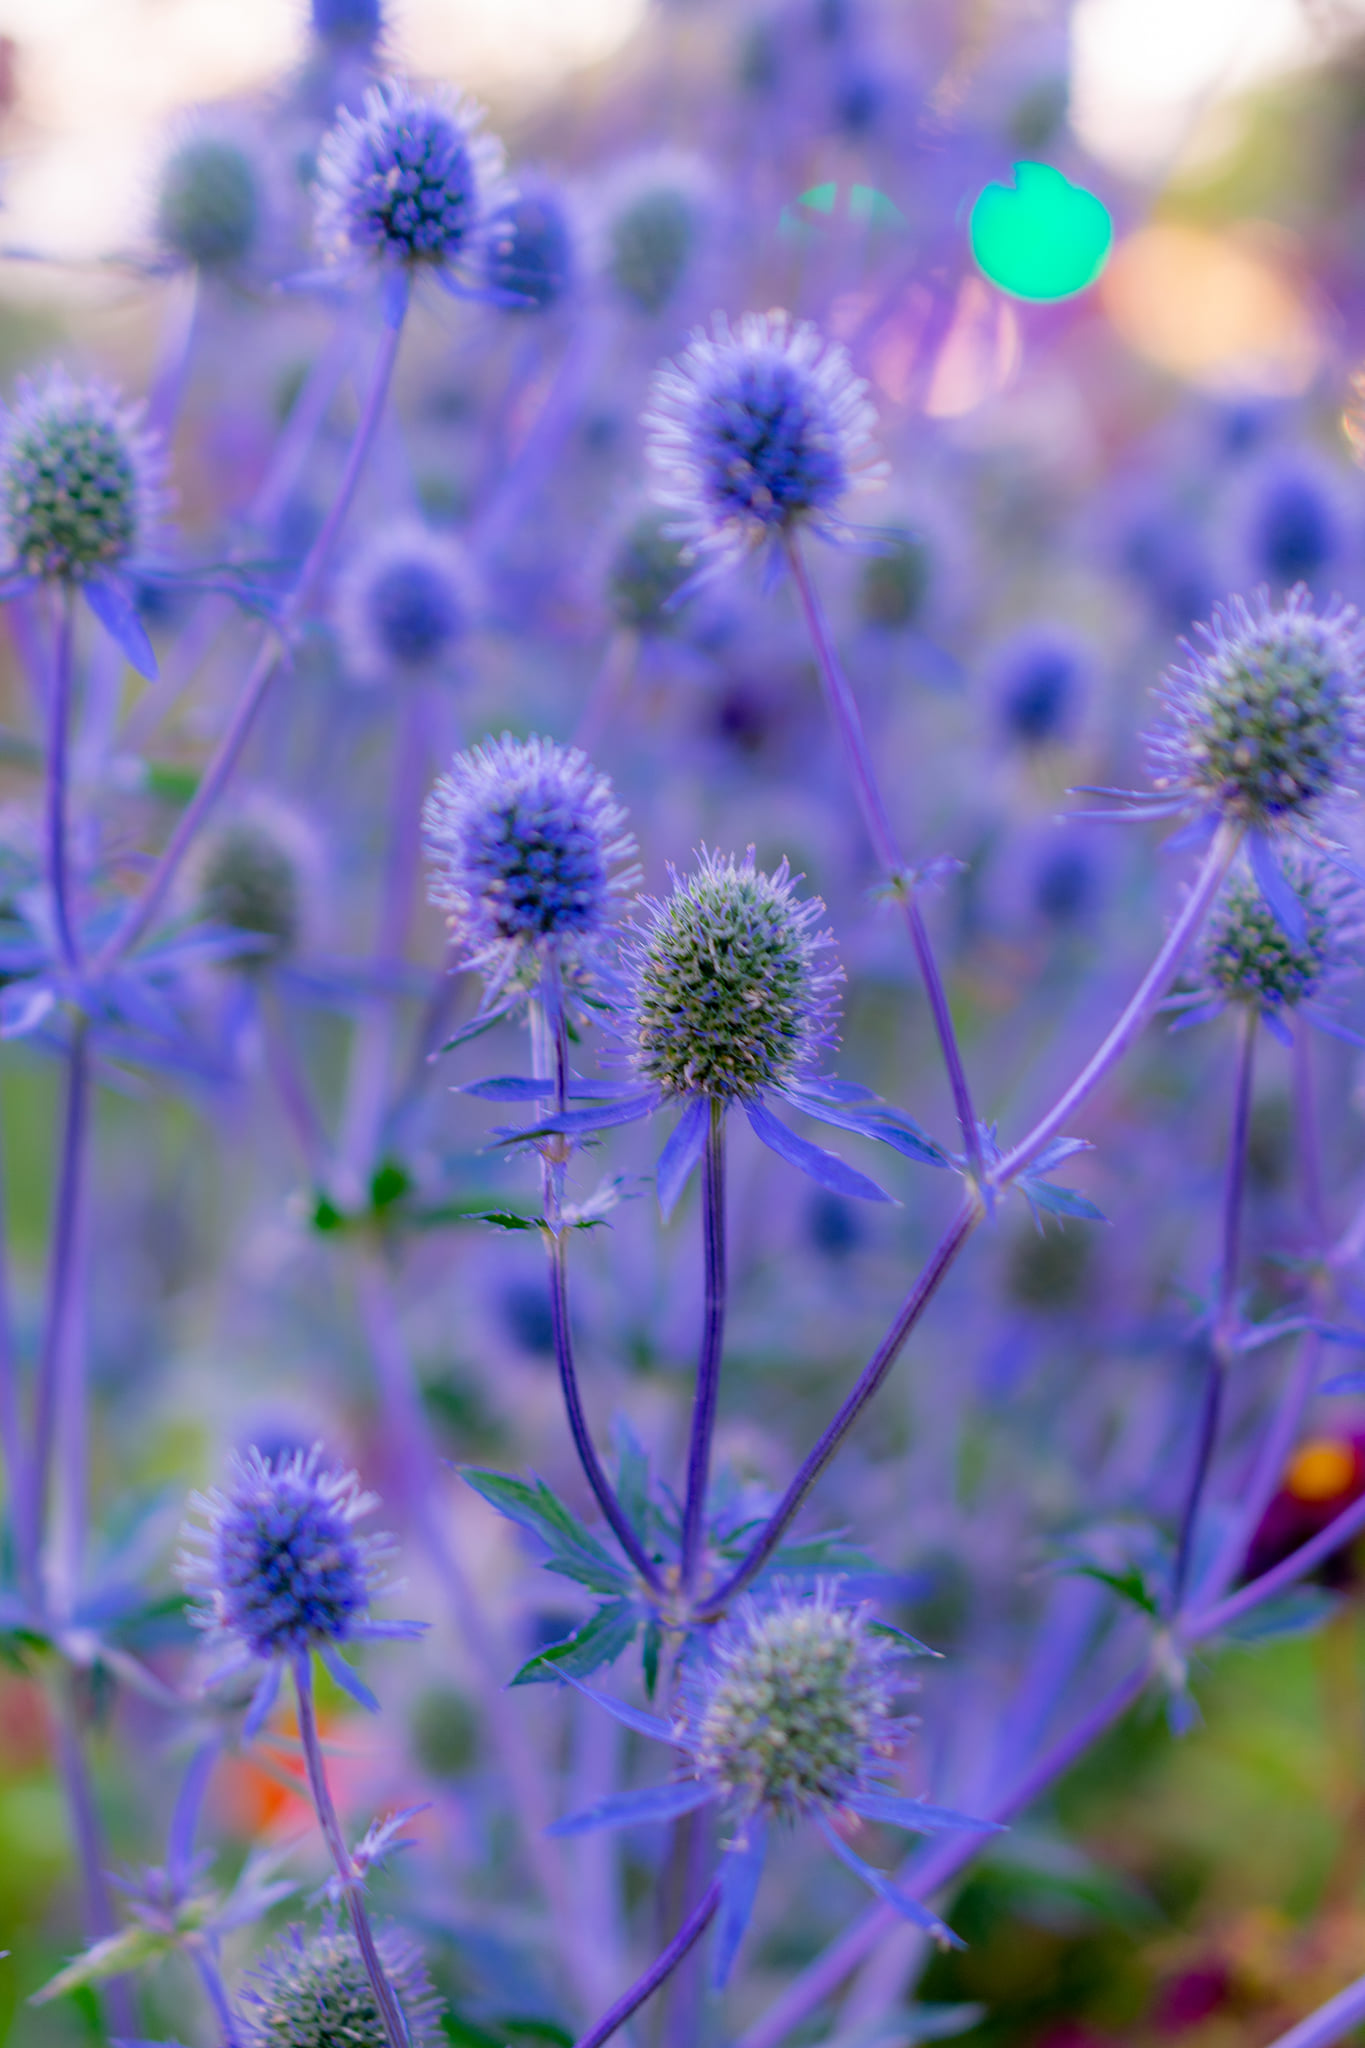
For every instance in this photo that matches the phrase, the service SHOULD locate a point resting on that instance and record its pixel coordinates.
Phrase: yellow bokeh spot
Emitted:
(1322, 1470)
(1220, 310)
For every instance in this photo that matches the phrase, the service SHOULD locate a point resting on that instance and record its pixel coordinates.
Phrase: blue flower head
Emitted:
(280, 1570)
(81, 482)
(405, 604)
(1247, 956)
(1294, 528)
(530, 259)
(756, 430)
(1038, 682)
(410, 183)
(1266, 721)
(209, 202)
(732, 991)
(348, 24)
(529, 850)
(311, 1991)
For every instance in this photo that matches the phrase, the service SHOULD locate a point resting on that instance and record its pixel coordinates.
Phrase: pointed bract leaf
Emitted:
(115, 1955)
(686, 1143)
(574, 1550)
(1060, 1201)
(917, 1817)
(1276, 889)
(741, 1867)
(876, 1880)
(631, 1809)
(821, 1166)
(629, 1717)
(878, 1120)
(117, 613)
(23, 1007)
(347, 1679)
(601, 1640)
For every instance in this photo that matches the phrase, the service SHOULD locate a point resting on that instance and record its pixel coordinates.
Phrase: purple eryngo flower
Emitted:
(1248, 957)
(281, 1571)
(312, 1991)
(410, 184)
(530, 853)
(790, 1717)
(531, 256)
(404, 604)
(755, 431)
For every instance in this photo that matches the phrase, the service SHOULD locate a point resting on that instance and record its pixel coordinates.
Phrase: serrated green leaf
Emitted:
(117, 1953)
(1129, 1585)
(574, 1551)
(1295, 1613)
(1061, 1201)
(649, 1656)
(601, 1640)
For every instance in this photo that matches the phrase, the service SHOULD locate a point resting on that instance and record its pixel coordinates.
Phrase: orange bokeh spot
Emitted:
(1322, 1470)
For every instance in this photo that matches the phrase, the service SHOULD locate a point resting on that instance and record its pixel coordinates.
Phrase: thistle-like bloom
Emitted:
(1037, 684)
(311, 1991)
(280, 1570)
(756, 431)
(404, 604)
(790, 1717)
(412, 185)
(1248, 957)
(208, 206)
(530, 260)
(81, 496)
(1266, 721)
(249, 883)
(530, 853)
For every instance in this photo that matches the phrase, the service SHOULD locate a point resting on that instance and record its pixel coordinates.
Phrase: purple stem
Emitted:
(618, 666)
(928, 1870)
(290, 1082)
(1208, 1621)
(100, 1918)
(211, 1978)
(843, 708)
(713, 1338)
(868, 1382)
(58, 748)
(663, 1966)
(352, 1886)
(18, 1473)
(1151, 989)
(269, 655)
(1225, 1314)
(1331, 2022)
(61, 1302)
(173, 355)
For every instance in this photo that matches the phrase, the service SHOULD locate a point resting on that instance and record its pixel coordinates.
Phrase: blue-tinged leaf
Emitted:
(1130, 1585)
(877, 1881)
(1333, 1026)
(533, 1088)
(574, 1550)
(1059, 1149)
(1276, 888)
(23, 1007)
(827, 1089)
(263, 1700)
(347, 1679)
(1204, 1013)
(629, 1717)
(1340, 858)
(911, 1645)
(117, 613)
(1295, 1613)
(483, 1021)
(571, 1121)
(600, 1640)
(741, 1867)
(686, 1143)
(880, 1121)
(632, 1474)
(822, 1166)
(916, 1817)
(1344, 1383)
(630, 1809)
(1275, 1024)
(937, 2023)
(1060, 1201)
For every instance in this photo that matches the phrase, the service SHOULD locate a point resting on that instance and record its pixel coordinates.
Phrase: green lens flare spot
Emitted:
(1043, 237)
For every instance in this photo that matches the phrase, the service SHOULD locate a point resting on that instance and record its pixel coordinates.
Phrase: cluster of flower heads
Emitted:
(80, 481)
(410, 182)
(280, 1570)
(528, 846)
(311, 1991)
(756, 430)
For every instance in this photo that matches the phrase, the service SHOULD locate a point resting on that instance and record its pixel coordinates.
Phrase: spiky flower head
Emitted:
(1267, 718)
(311, 1991)
(730, 992)
(1249, 957)
(795, 1713)
(410, 180)
(80, 480)
(404, 604)
(208, 205)
(1038, 679)
(348, 24)
(279, 1568)
(529, 849)
(755, 430)
(530, 257)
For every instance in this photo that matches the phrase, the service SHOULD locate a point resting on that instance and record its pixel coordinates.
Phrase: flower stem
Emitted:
(1148, 994)
(713, 1337)
(1209, 1621)
(868, 1382)
(61, 1306)
(58, 759)
(1331, 2022)
(18, 1471)
(1225, 1313)
(390, 2013)
(87, 1837)
(663, 1966)
(843, 709)
(263, 669)
(211, 1977)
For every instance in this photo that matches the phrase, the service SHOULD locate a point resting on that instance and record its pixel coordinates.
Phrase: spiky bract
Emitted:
(730, 995)
(529, 847)
(311, 1991)
(1248, 956)
(795, 1713)
(405, 603)
(757, 429)
(80, 479)
(1267, 719)
(281, 1569)
(208, 207)
(409, 180)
